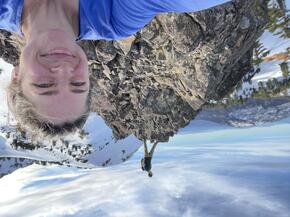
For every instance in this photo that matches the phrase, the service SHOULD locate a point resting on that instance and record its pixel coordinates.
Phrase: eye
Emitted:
(43, 85)
(78, 84)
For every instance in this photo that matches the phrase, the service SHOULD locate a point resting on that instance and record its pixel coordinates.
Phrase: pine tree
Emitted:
(279, 19)
(285, 69)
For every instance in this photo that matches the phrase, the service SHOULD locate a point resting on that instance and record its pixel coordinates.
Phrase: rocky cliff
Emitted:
(156, 81)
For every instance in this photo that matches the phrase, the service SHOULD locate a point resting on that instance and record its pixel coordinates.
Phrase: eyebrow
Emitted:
(79, 91)
(51, 93)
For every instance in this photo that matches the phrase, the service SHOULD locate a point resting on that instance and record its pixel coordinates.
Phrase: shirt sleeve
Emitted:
(129, 16)
(10, 15)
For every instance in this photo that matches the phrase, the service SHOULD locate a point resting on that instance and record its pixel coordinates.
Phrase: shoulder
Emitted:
(10, 15)
(95, 19)
(11, 6)
(98, 20)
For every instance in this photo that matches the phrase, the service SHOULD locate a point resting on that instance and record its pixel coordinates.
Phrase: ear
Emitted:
(15, 78)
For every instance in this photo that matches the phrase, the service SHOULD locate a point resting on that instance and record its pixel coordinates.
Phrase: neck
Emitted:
(43, 15)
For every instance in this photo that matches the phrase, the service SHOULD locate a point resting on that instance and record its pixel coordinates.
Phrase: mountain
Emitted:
(155, 82)
(254, 112)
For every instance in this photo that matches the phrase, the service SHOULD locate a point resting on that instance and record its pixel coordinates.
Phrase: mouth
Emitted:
(58, 52)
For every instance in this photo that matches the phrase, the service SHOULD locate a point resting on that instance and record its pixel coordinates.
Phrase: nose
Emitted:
(62, 67)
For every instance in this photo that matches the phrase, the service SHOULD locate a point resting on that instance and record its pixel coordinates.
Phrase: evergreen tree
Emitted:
(279, 19)
(285, 69)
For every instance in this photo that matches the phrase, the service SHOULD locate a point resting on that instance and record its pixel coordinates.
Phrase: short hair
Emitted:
(34, 124)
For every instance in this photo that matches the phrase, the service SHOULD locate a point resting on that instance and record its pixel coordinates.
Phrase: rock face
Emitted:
(156, 81)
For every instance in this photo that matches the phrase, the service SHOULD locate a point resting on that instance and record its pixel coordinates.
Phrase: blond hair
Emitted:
(31, 122)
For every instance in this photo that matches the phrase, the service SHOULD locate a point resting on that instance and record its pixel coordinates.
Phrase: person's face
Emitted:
(53, 74)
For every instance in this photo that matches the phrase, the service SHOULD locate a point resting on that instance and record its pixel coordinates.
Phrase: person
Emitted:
(50, 89)
(146, 161)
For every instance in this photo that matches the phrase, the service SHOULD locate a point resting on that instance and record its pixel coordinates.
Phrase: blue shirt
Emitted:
(109, 19)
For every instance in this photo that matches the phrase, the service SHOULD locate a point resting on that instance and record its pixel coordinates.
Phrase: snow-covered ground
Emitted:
(4, 80)
(220, 171)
